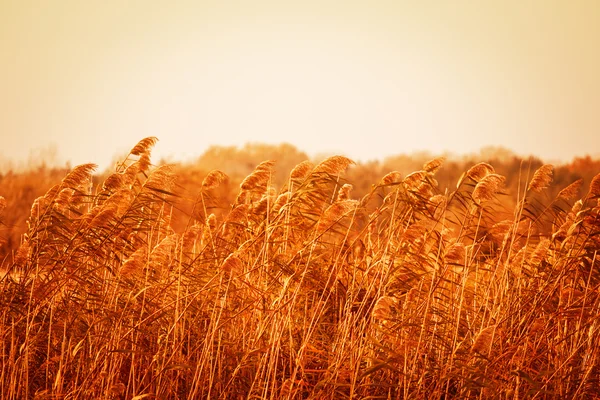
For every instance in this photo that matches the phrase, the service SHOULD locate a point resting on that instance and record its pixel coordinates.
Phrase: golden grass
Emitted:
(303, 291)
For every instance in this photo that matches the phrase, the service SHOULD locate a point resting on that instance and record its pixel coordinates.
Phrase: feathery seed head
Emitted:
(232, 264)
(79, 177)
(483, 341)
(143, 146)
(577, 207)
(259, 178)
(541, 178)
(161, 178)
(333, 165)
(456, 254)
(344, 192)
(162, 252)
(437, 205)
(414, 180)
(301, 170)
(539, 253)
(434, 165)
(104, 216)
(113, 182)
(335, 212)
(211, 222)
(479, 171)
(23, 254)
(282, 200)
(391, 178)
(213, 179)
(594, 187)
(571, 191)
(135, 262)
(144, 162)
(487, 187)
(383, 308)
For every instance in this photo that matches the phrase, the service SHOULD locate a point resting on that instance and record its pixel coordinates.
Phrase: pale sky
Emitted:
(366, 79)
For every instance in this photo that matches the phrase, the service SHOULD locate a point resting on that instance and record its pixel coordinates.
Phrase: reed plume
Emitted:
(333, 165)
(594, 190)
(144, 146)
(542, 178)
(434, 165)
(571, 191)
(301, 170)
(79, 177)
(483, 341)
(479, 171)
(391, 178)
(258, 180)
(344, 192)
(487, 188)
(213, 179)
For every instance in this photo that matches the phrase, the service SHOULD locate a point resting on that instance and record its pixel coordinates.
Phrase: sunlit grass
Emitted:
(303, 291)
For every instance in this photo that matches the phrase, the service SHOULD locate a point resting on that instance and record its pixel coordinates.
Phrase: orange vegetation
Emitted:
(307, 282)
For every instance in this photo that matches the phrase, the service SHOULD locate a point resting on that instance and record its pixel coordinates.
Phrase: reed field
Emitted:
(303, 290)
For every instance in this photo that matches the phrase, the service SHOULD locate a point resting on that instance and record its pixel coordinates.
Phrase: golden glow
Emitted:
(366, 79)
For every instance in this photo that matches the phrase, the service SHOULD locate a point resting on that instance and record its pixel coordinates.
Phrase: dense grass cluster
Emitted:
(304, 291)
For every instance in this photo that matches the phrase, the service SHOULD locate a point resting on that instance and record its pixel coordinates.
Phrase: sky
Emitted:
(367, 79)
